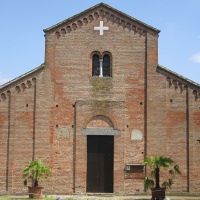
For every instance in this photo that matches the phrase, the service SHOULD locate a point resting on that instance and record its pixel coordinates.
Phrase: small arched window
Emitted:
(106, 66)
(95, 65)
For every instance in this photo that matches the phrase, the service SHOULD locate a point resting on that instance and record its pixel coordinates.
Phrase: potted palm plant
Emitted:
(33, 173)
(157, 163)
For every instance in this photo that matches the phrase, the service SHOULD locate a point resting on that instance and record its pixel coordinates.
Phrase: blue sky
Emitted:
(22, 37)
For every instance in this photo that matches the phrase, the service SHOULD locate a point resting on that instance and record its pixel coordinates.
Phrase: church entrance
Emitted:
(100, 151)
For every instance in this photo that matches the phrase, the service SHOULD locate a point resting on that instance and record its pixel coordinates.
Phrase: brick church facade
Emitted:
(98, 105)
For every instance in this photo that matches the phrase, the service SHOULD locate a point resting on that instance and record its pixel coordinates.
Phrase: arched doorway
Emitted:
(100, 155)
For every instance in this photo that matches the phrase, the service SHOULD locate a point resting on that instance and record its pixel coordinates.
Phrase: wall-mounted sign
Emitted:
(136, 135)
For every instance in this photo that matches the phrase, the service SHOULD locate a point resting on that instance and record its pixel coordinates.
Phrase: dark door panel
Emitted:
(100, 163)
(95, 177)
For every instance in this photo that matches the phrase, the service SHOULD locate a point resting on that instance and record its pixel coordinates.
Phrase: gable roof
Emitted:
(96, 7)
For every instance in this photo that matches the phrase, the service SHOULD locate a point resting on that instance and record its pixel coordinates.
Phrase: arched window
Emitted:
(106, 66)
(95, 65)
(101, 66)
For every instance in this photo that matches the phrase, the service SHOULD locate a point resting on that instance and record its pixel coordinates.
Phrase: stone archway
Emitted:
(100, 121)
(100, 125)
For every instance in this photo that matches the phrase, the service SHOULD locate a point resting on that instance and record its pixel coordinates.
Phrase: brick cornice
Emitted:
(179, 81)
(101, 11)
(22, 78)
(184, 80)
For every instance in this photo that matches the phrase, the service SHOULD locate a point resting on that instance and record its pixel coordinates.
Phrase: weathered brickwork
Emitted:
(153, 110)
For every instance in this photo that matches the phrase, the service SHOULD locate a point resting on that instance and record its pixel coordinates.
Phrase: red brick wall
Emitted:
(167, 129)
(3, 140)
(194, 124)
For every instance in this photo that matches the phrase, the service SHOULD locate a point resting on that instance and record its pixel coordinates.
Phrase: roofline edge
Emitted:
(41, 67)
(161, 68)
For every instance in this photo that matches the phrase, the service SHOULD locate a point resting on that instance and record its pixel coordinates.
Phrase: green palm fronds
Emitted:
(36, 171)
(157, 163)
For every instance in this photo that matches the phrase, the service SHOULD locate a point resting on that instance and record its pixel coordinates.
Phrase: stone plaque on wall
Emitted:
(64, 132)
(136, 135)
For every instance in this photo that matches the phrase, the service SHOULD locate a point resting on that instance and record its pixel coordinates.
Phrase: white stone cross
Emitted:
(101, 28)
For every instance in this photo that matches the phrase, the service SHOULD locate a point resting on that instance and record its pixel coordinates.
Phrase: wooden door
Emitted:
(95, 175)
(100, 151)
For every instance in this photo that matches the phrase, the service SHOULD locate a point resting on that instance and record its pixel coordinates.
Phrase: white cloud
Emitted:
(196, 57)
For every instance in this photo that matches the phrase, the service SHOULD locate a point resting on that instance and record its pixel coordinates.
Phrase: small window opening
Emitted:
(95, 65)
(26, 105)
(106, 66)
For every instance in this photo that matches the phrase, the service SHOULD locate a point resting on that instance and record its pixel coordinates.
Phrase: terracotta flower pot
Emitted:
(35, 192)
(158, 193)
